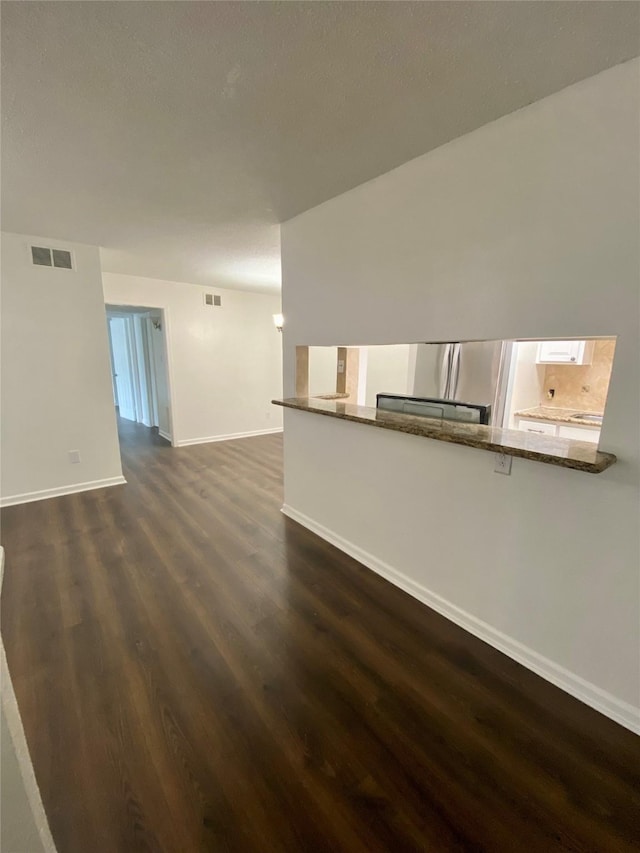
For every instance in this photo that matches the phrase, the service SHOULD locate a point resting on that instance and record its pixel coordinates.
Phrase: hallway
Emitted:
(197, 672)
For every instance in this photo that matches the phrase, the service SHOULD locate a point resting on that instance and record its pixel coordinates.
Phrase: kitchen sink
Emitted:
(587, 417)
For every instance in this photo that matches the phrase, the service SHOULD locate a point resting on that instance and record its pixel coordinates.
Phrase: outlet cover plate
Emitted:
(503, 463)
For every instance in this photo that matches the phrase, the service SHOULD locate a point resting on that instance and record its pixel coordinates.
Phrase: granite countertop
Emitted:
(562, 416)
(333, 395)
(580, 455)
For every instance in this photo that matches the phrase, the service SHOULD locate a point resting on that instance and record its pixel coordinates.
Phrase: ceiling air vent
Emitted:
(44, 257)
(211, 299)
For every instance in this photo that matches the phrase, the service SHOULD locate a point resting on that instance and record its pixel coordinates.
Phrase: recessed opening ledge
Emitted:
(564, 452)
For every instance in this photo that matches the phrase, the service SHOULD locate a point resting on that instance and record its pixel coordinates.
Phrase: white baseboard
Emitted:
(163, 434)
(28, 497)
(616, 709)
(189, 441)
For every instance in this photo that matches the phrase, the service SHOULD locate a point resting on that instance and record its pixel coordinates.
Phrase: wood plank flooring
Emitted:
(196, 672)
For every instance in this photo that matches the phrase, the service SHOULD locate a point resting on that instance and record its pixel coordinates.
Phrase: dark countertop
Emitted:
(560, 416)
(579, 455)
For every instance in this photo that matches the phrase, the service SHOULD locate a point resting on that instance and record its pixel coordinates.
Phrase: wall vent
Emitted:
(41, 256)
(212, 299)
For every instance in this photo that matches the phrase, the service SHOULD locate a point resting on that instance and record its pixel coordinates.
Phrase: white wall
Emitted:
(24, 825)
(323, 366)
(56, 383)
(526, 228)
(388, 369)
(426, 378)
(141, 369)
(18, 830)
(225, 364)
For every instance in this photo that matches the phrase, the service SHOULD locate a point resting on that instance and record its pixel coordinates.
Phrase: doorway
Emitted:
(138, 351)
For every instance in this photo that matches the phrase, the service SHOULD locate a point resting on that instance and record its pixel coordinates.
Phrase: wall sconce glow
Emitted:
(278, 321)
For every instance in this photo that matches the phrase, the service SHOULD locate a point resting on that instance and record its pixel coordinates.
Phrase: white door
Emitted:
(122, 365)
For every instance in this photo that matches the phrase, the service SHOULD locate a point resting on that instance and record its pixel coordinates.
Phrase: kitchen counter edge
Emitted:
(563, 452)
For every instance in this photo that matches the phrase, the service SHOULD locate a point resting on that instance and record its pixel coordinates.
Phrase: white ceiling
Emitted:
(177, 135)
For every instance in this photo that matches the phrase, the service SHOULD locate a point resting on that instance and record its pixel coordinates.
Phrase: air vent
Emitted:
(62, 259)
(211, 299)
(41, 256)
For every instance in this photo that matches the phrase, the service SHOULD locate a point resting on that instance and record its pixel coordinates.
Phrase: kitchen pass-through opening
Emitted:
(550, 387)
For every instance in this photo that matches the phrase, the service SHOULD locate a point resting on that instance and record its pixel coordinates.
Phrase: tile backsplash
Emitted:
(581, 387)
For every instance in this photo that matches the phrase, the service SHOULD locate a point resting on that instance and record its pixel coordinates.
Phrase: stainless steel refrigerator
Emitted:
(475, 372)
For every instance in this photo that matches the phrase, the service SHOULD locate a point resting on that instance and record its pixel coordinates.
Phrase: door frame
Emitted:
(128, 308)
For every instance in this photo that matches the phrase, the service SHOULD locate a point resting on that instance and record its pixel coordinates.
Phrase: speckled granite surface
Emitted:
(560, 416)
(335, 395)
(580, 455)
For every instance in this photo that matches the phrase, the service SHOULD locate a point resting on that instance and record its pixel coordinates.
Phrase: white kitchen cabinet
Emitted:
(559, 430)
(541, 427)
(565, 352)
(579, 433)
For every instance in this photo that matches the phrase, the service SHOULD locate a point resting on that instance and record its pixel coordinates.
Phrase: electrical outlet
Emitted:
(74, 457)
(340, 366)
(503, 463)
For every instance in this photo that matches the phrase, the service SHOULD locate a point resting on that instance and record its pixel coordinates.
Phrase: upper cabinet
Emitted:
(565, 352)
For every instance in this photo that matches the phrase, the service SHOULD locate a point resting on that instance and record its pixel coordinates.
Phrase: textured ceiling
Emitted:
(176, 135)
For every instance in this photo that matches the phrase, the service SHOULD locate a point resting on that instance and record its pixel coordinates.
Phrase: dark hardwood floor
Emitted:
(196, 672)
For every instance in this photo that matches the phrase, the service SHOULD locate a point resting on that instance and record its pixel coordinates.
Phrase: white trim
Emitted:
(189, 441)
(164, 434)
(29, 497)
(20, 747)
(616, 709)
(170, 377)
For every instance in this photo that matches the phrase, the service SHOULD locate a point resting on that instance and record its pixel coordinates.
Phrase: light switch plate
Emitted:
(74, 457)
(503, 463)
